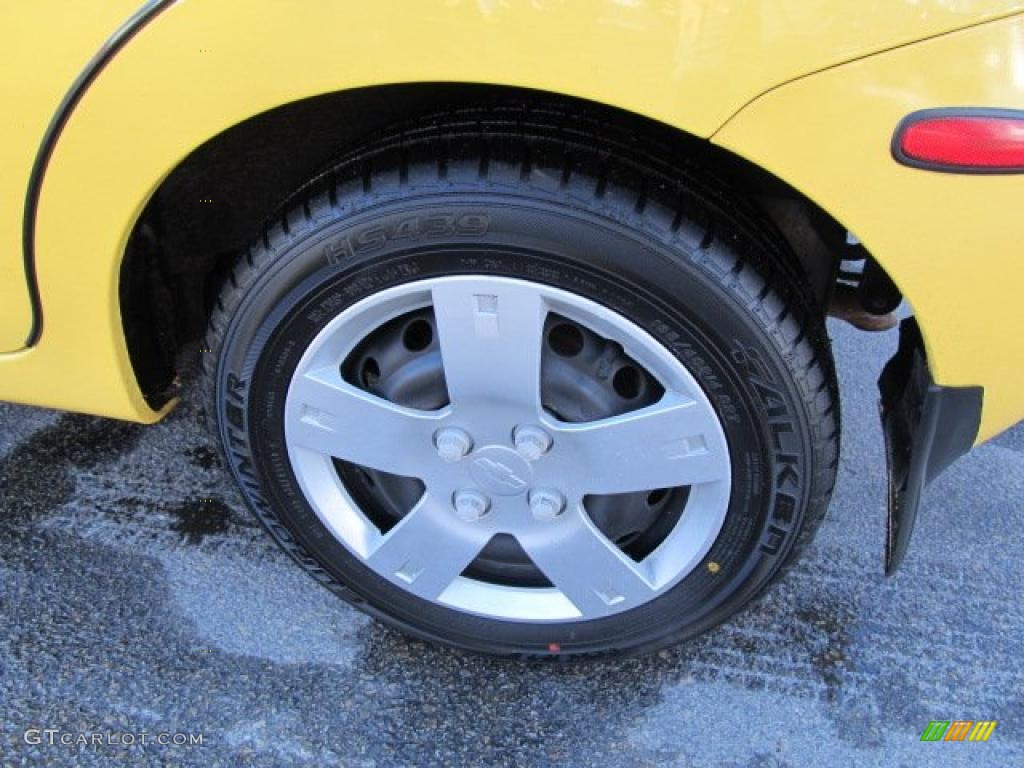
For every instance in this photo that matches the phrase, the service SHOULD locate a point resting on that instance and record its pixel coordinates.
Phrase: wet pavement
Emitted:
(137, 594)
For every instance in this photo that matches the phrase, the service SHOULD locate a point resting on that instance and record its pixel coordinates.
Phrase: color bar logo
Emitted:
(959, 730)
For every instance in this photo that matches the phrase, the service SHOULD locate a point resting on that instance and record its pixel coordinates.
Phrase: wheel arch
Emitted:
(176, 85)
(200, 69)
(224, 192)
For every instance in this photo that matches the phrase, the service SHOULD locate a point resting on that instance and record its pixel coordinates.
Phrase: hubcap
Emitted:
(508, 449)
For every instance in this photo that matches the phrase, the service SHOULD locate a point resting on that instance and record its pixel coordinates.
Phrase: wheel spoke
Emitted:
(490, 334)
(671, 443)
(588, 569)
(330, 416)
(427, 549)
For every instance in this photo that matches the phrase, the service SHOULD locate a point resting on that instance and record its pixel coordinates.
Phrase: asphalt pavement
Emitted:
(138, 595)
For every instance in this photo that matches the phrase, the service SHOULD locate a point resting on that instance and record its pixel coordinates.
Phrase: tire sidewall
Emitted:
(681, 294)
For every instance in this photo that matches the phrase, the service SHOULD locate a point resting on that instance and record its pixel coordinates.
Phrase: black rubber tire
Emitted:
(562, 200)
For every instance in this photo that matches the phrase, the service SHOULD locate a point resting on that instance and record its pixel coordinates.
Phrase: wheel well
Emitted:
(222, 194)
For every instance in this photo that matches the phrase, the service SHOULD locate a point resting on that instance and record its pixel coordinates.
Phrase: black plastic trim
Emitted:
(927, 427)
(100, 59)
(930, 114)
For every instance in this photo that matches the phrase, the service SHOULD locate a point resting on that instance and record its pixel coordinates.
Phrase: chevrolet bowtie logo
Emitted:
(500, 474)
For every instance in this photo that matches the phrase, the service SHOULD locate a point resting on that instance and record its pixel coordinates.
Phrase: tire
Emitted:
(638, 266)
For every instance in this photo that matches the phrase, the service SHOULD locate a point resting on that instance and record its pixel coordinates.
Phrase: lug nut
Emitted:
(470, 505)
(531, 442)
(546, 504)
(452, 443)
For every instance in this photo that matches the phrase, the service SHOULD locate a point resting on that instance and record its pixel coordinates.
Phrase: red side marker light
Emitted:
(962, 140)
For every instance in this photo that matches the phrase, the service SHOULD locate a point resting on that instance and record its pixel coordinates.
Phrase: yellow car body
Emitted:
(809, 90)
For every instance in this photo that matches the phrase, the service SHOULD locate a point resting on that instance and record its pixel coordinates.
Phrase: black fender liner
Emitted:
(926, 426)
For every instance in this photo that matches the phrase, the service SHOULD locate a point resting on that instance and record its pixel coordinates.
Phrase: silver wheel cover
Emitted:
(479, 482)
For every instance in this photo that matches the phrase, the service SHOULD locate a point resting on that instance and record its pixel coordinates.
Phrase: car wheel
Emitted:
(526, 390)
